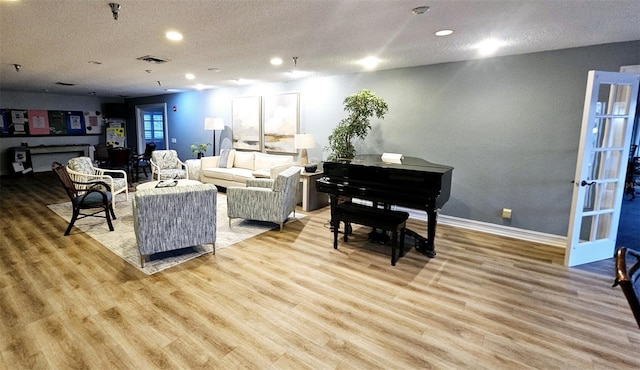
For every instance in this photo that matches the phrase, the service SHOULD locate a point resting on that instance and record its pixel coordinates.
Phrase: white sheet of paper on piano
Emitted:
(392, 157)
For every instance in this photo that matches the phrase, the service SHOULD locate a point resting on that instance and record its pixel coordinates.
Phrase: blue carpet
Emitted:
(629, 227)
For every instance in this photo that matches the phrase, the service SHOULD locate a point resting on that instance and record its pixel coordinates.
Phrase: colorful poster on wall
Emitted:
(38, 122)
(19, 124)
(92, 123)
(75, 123)
(115, 136)
(57, 122)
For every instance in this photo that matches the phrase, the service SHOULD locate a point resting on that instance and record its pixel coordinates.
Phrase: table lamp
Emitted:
(213, 124)
(304, 142)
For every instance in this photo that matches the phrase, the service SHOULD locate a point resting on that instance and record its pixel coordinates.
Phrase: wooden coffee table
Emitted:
(152, 184)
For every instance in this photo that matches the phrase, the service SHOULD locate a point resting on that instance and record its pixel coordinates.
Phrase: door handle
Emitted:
(585, 183)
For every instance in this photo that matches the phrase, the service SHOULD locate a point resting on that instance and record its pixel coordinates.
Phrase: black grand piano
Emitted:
(412, 183)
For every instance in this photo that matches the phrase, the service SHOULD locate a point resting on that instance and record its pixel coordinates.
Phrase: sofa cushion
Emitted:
(244, 160)
(241, 175)
(264, 162)
(219, 173)
(227, 157)
(261, 174)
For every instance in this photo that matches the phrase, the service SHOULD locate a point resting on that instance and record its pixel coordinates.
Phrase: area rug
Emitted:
(122, 241)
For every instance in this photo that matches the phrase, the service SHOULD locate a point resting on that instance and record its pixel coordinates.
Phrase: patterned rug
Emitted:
(122, 241)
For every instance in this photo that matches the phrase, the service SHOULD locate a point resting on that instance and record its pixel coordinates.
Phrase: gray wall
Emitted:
(510, 125)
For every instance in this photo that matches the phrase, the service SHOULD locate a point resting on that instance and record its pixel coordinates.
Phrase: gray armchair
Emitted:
(270, 200)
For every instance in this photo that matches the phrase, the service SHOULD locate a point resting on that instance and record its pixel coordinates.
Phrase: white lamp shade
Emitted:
(304, 141)
(213, 123)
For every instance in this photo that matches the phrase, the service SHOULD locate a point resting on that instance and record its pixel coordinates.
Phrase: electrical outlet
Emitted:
(506, 213)
(173, 140)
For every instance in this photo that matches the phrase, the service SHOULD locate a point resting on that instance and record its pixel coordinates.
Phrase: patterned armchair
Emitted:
(270, 200)
(81, 169)
(165, 165)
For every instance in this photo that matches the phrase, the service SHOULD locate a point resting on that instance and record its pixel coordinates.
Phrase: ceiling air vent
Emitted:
(152, 59)
(65, 84)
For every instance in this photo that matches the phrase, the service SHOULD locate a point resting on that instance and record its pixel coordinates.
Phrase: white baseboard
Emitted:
(485, 227)
(512, 232)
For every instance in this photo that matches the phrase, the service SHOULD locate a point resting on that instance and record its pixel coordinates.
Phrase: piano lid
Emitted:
(407, 163)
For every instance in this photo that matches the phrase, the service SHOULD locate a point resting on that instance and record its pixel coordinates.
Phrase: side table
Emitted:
(311, 198)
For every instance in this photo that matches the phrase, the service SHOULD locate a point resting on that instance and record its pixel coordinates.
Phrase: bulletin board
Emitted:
(38, 122)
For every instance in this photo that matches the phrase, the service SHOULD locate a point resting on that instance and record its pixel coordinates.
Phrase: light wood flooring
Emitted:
(288, 300)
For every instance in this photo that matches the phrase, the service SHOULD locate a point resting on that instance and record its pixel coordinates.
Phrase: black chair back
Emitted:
(120, 157)
(148, 149)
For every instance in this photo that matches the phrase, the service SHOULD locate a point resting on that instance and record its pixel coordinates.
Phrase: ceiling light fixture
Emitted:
(115, 9)
(420, 10)
(17, 67)
(444, 32)
(276, 61)
(173, 35)
(190, 76)
(213, 69)
(295, 61)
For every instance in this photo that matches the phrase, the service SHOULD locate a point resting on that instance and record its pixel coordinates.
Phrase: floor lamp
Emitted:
(213, 124)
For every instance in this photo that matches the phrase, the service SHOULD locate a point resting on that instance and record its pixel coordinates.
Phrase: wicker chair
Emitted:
(93, 195)
(81, 169)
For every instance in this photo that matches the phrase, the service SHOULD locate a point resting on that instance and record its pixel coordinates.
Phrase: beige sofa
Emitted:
(242, 166)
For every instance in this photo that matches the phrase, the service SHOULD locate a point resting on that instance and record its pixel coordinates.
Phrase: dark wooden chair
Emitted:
(628, 277)
(141, 161)
(91, 195)
(120, 159)
(101, 154)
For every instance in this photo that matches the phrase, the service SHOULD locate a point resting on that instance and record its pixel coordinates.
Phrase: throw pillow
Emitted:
(226, 158)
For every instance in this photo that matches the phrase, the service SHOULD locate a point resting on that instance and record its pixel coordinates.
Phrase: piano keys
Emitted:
(414, 183)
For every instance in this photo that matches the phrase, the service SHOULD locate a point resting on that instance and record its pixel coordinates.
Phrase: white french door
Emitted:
(607, 124)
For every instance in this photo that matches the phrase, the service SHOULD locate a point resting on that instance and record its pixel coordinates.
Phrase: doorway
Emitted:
(151, 126)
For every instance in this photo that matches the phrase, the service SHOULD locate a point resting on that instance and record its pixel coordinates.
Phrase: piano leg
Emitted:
(426, 245)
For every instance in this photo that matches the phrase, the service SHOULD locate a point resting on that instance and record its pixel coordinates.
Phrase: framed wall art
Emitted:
(246, 115)
(281, 117)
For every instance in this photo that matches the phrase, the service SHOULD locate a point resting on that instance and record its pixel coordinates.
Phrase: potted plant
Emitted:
(361, 106)
(199, 149)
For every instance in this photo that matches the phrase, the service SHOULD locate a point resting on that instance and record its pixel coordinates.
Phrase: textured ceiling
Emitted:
(54, 41)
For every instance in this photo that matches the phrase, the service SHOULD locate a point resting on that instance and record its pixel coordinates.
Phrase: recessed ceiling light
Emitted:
(420, 10)
(444, 32)
(369, 62)
(174, 35)
(190, 76)
(276, 61)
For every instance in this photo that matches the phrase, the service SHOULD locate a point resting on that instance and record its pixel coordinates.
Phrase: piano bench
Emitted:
(394, 221)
